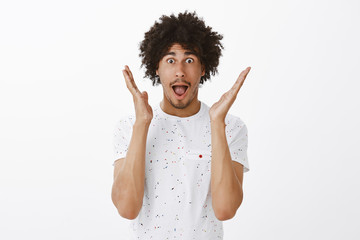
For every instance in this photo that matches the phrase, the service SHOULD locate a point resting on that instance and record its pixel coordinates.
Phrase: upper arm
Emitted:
(237, 136)
(239, 170)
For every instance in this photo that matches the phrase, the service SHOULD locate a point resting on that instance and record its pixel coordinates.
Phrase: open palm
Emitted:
(143, 110)
(219, 109)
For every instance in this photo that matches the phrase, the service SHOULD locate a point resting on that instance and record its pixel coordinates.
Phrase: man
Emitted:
(179, 168)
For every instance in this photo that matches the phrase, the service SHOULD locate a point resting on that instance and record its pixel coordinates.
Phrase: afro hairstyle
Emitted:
(187, 30)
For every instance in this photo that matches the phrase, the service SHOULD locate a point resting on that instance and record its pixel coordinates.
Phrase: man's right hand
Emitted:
(143, 110)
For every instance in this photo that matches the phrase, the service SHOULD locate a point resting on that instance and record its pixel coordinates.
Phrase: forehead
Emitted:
(177, 49)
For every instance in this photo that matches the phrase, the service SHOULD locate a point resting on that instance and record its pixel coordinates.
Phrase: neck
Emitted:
(188, 111)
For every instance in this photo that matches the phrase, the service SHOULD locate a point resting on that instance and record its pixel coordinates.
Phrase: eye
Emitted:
(170, 60)
(189, 60)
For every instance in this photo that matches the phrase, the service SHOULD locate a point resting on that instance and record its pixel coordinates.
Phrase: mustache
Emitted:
(178, 80)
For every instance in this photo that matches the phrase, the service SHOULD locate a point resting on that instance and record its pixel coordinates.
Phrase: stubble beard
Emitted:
(182, 105)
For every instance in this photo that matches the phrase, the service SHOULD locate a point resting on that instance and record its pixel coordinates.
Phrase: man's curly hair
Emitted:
(187, 30)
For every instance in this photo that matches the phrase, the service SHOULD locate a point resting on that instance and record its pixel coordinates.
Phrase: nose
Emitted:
(179, 71)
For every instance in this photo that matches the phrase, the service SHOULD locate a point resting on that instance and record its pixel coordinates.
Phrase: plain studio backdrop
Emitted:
(62, 91)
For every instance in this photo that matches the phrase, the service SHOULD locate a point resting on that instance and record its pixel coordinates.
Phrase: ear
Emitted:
(202, 70)
(157, 72)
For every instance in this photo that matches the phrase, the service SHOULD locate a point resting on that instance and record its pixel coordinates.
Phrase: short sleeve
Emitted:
(237, 138)
(121, 137)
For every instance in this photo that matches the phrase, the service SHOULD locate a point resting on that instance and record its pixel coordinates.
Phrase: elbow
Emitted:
(128, 211)
(224, 215)
(128, 214)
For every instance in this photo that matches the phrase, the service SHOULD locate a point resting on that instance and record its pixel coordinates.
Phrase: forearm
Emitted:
(128, 187)
(226, 191)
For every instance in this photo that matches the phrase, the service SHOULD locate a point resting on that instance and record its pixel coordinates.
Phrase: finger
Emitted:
(145, 95)
(239, 82)
(131, 75)
(132, 78)
(130, 83)
(242, 76)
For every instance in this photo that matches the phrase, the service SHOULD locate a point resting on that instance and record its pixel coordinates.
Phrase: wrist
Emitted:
(142, 123)
(217, 122)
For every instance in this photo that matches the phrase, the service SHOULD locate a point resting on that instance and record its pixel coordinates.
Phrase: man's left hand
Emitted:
(219, 110)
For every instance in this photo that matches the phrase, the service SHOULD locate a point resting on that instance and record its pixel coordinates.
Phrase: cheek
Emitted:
(164, 73)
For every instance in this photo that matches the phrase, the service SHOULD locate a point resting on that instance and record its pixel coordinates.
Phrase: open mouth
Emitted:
(180, 90)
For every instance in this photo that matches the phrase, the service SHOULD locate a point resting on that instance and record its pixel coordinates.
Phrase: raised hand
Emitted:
(143, 110)
(219, 109)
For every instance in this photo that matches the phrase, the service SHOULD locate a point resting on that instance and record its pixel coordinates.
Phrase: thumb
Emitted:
(144, 93)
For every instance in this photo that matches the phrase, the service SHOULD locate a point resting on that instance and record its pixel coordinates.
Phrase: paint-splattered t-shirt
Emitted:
(177, 196)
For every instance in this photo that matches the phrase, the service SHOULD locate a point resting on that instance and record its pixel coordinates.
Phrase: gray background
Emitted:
(62, 92)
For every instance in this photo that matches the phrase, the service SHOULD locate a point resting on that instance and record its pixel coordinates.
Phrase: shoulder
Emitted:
(125, 122)
(234, 121)
(235, 127)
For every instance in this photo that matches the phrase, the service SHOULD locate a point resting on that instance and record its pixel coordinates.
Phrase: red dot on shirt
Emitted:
(200, 156)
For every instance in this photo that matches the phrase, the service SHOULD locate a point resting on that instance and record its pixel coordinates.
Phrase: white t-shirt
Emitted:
(177, 196)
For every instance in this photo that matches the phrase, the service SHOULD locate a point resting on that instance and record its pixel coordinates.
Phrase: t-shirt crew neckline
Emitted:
(196, 115)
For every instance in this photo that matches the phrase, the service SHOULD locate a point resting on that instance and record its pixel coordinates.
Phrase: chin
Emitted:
(180, 105)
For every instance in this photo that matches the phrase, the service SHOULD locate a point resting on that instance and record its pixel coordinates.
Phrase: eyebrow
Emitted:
(186, 53)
